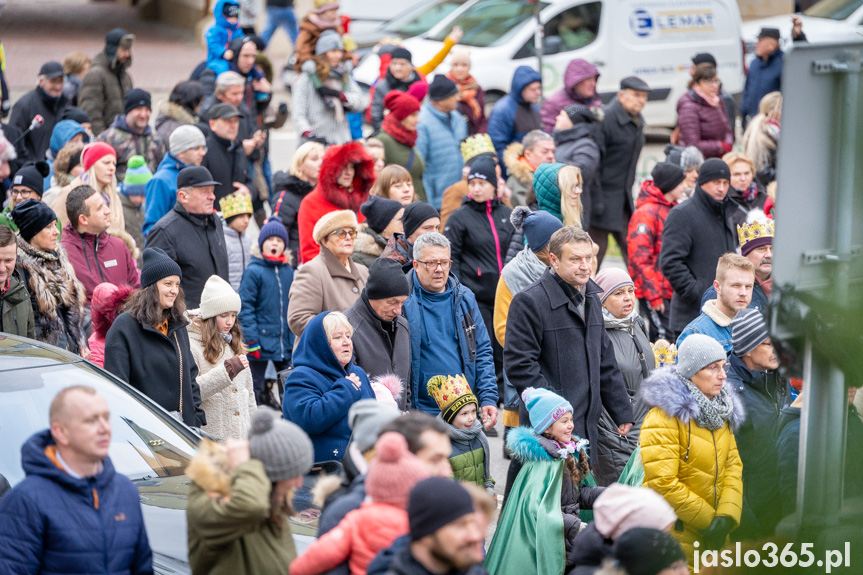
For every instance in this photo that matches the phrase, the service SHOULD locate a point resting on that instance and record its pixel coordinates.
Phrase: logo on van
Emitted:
(641, 23)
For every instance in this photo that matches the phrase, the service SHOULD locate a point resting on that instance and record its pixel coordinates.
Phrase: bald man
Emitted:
(73, 513)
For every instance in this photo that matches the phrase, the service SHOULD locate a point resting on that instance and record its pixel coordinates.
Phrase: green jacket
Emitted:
(398, 153)
(233, 536)
(16, 310)
(468, 463)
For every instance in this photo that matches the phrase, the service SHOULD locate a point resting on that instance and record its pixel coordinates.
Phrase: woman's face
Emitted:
(402, 192)
(481, 190)
(460, 71)
(346, 178)
(341, 344)
(46, 239)
(378, 155)
(741, 176)
(169, 289)
(691, 178)
(573, 195)
(395, 226)
(105, 169)
(710, 87)
(711, 378)
(335, 57)
(410, 123)
(621, 302)
(311, 166)
(342, 247)
(225, 321)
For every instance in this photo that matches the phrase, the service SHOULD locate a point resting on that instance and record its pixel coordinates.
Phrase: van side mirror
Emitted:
(552, 45)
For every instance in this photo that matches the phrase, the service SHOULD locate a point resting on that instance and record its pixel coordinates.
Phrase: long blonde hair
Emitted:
(758, 144)
(112, 198)
(567, 178)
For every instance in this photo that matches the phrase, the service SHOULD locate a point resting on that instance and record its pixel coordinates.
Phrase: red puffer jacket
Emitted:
(644, 240)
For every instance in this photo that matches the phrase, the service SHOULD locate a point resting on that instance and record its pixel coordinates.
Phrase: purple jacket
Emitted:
(98, 259)
(703, 126)
(576, 71)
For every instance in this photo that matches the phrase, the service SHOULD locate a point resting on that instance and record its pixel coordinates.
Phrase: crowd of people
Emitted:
(401, 288)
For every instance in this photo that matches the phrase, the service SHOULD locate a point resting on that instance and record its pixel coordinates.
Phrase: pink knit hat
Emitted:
(610, 279)
(394, 471)
(621, 507)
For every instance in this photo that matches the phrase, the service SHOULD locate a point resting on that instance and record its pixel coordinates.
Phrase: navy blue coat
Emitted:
(54, 523)
(763, 78)
(264, 315)
(512, 118)
(318, 393)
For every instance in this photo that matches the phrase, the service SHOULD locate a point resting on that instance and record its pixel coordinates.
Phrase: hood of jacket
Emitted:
(105, 305)
(650, 194)
(171, 163)
(120, 123)
(107, 57)
(369, 242)
(665, 389)
(37, 458)
(335, 159)
(525, 445)
(209, 468)
(218, 10)
(17, 292)
(523, 76)
(167, 110)
(64, 131)
(577, 71)
(314, 351)
(291, 184)
(514, 166)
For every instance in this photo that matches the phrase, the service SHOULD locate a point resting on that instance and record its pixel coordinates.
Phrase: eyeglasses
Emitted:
(22, 193)
(342, 233)
(714, 368)
(432, 266)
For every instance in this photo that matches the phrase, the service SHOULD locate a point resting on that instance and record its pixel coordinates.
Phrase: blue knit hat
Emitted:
(273, 227)
(538, 226)
(544, 407)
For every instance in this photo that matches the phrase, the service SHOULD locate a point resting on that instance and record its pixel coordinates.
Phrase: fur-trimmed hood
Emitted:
(172, 111)
(525, 445)
(666, 390)
(335, 159)
(210, 469)
(514, 166)
(369, 242)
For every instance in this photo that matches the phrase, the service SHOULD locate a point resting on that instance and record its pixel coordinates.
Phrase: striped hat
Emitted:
(137, 176)
(544, 407)
(748, 330)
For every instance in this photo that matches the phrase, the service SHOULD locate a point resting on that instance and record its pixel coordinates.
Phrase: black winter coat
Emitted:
(227, 163)
(288, 192)
(35, 102)
(696, 234)
(197, 243)
(153, 364)
(374, 351)
(549, 345)
(620, 140)
(475, 249)
(577, 146)
(747, 206)
(591, 550)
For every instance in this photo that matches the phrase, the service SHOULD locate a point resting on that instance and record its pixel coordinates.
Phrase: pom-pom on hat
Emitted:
(284, 449)
(137, 176)
(400, 104)
(236, 204)
(538, 226)
(544, 407)
(157, 265)
(218, 297)
(477, 145)
(333, 221)
(696, 352)
(94, 152)
(32, 175)
(273, 227)
(394, 471)
(451, 393)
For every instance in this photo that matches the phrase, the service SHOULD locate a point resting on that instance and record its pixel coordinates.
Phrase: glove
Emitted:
(234, 366)
(713, 538)
(726, 147)
(324, 91)
(253, 349)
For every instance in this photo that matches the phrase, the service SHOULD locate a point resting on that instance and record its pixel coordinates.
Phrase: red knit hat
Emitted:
(95, 152)
(394, 471)
(400, 104)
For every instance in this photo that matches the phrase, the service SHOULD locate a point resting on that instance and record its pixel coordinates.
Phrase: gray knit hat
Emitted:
(284, 449)
(366, 418)
(185, 138)
(748, 330)
(697, 352)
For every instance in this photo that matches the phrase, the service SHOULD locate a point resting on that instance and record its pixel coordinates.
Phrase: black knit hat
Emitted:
(713, 169)
(442, 88)
(579, 114)
(157, 265)
(379, 212)
(77, 114)
(415, 214)
(482, 167)
(434, 503)
(400, 52)
(644, 551)
(136, 98)
(32, 176)
(31, 217)
(667, 176)
(386, 279)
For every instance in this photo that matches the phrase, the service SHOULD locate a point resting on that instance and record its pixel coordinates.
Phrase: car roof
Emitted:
(18, 352)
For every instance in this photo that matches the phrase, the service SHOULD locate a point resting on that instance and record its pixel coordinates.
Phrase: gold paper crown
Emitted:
(235, 205)
(476, 145)
(755, 230)
(665, 353)
(451, 393)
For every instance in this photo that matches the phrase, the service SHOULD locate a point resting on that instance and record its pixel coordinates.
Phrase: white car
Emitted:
(368, 15)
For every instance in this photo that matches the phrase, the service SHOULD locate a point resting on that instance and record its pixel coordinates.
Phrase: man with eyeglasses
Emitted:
(763, 393)
(448, 336)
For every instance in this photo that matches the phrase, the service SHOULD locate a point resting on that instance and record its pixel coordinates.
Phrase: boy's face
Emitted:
(273, 247)
(465, 417)
(232, 19)
(240, 223)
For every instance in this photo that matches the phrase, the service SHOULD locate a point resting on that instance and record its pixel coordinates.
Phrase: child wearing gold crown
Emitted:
(236, 213)
(470, 450)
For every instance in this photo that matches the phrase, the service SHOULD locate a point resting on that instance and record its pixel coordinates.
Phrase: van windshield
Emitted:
(490, 22)
(834, 9)
(418, 21)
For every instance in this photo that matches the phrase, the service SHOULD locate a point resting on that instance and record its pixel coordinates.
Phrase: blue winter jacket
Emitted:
(161, 191)
(704, 324)
(53, 523)
(219, 35)
(439, 136)
(763, 78)
(64, 131)
(264, 313)
(473, 341)
(318, 393)
(502, 122)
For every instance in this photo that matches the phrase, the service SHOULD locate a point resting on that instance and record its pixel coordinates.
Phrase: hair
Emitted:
(705, 71)
(731, 260)
(300, 156)
(567, 235)
(110, 189)
(188, 94)
(732, 158)
(76, 204)
(322, 67)
(568, 177)
(576, 473)
(758, 143)
(430, 239)
(691, 157)
(373, 143)
(58, 404)
(63, 162)
(7, 237)
(389, 176)
(212, 341)
(227, 79)
(144, 306)
(412, 425)
(532, 138)
(75, 62)
(333, 320)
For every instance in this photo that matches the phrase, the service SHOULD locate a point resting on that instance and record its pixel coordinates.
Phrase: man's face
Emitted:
(232, 95)
(193, 156)
(532, 93)
(84, 427)
(541, 153)
(138, 118)
(7, 262)
(226, 128)
(435, 453)
(741, 176)
(123, 55)
(400, 68)
(458, 544)
(764, 356)
(99, 219)
(52, 86)
(717, 189)
(766, 46)
(762, 258)
(434, 272)
(735, 291)
(586, 88)
(390, 308)
(246, 59)
(197, 200)
(632, 101)
(573, 266)
(447, 105)
(430, 225)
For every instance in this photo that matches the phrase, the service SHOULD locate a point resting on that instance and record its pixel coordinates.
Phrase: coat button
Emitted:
(355, 289)
(235, 391)
(237, 413)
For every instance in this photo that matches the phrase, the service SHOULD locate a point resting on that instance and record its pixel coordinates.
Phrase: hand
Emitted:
(489, 416)
(325, 91)
(355, 379)
(85, 352)
(713, 538)
(624, 429)
(242, 188)
(503, 191)
(238, 452)
(456, 35)
(244, 360)
(659, 308)
(249, 146)
(260, 137)
(796, 26)
(726, 147)
(262, 85)
(355, 59)
(228, 55)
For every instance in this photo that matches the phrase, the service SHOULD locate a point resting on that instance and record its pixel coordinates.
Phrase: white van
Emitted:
(651, 39)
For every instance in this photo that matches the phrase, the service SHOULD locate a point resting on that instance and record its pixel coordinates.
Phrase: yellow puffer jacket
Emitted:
(696, 470)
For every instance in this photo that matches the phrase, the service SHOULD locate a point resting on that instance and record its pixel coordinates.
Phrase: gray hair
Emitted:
(430, 239)
(228, 79)
(691, 157)
(534, 137)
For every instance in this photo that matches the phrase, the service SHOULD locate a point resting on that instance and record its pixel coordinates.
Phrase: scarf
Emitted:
(627, 323)
(713, 101)
(282, 259)
(398, 132)
(749, 193)
(467, 435)
(766, 285)
(712, 412)
(468, 90)
(524, 269)
(227, 337)
(400, 85)
(574, 295)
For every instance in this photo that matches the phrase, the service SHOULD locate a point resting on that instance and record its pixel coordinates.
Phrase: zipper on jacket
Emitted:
(496, 238)
(282, 316)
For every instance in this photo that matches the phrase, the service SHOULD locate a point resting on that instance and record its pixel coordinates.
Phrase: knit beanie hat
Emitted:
(333, 221)
(32, 176)
(451, 394)
(402, 53)
(538, 226)
(394, 471)
(643, 551)
(185, 138)
(386, 280)
(94, 152)
(610, 280)
(136, 98)
(713, 169)
(419, 90)
(667, 176)
(400, 104)
(218, 297)
(284, 449)
(137, 176)
(379, 212)
(434, 503)
(273, 227)
(482, 167)
(460, 55)
(415, 214)
(77, 114)
(442, 88)
(544, 407)
(697, 352)
(236, 204)
(31, 217)
(366, 418)
(157, 265)
(328, 40)
(621, 507)
(748, 330)
(579, 114)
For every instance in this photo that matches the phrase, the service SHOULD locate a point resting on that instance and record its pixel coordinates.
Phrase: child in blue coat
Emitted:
(220, 34)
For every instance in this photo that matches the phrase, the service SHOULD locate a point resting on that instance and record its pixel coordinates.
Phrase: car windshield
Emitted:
(490, 22)
(834, 9)
(420, 20)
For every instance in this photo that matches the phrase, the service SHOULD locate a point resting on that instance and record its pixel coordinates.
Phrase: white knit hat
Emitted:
(218, 297)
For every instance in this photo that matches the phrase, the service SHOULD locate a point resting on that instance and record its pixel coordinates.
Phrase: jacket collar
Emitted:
(197, 219)
(85, 237)
(557, 298)
(335, 267)
(666, 390)
(701, 197)
(622, 116)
